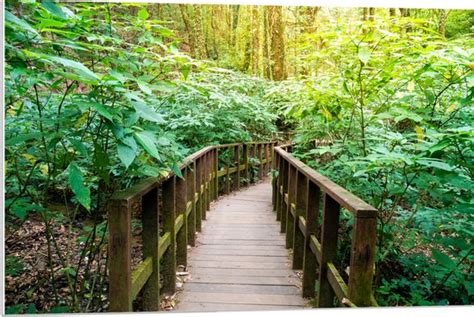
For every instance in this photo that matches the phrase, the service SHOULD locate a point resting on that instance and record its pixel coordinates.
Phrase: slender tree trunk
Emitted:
(235, 21)
(266, 55)
(443, 14)
(255, 34)
(277, 45)
(200, 40)
(392, 12)
(365, 14)
(372, 14)
(187, 26)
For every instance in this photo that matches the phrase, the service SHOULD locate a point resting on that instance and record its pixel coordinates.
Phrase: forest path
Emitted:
(240, 261)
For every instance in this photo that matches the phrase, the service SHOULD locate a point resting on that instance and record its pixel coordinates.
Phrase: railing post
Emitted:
(362, 257)
(245, 153)
(290, 219)
(182, 234)
(283, 205)
(150, 238)
(199, 205)
(236, 177)
(274, 183)
(329, 235)
(120, 245)
(300, 210)
(267, 158)
(227, 179)
(260, 158)
(280, 162)
(208, 178)
(191, 191)
(216, 169)
(312, 219)
(205, 183)
(169, 217)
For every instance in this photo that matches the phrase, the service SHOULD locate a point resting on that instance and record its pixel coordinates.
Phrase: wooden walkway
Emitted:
(240, 261)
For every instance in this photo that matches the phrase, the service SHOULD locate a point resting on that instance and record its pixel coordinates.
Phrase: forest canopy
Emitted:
(102, 95)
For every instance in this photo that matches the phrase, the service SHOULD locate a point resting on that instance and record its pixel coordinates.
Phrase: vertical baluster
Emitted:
(191, 191)
(227, 177)
(120, 245)
(267, 158)
(150, 221)
(215, 179)
(169, 218)
(290, 219)
(312, 221)
(301, 205)
(283, 206)
(205, 184)
(260, 158)
(362, 257)
(274, 184)
(245, 153)
(236, 177)
(182, 234)
(208, 179)
(198, 177)
(279, 161)
(330, 227)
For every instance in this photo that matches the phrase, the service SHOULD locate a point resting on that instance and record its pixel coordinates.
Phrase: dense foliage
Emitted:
(99, 96)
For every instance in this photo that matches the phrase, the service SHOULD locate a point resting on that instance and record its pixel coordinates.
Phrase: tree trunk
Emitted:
(187, 26)
(372, 14)
(235, 21)
(255, 34)
(266, 55)
(443, 14)
(200, 40)
(392, 12)
(277, 44)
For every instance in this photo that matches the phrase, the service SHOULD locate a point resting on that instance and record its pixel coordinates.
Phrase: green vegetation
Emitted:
(99, 96)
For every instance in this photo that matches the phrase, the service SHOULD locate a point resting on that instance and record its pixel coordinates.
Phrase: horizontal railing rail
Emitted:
(172, 209)
(299, 195)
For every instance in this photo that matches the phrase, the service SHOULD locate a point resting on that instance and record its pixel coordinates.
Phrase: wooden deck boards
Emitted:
(240, 261)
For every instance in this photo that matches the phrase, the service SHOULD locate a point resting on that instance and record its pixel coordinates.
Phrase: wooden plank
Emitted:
(179, 223)
(119, 248)
(244, 280)
(241, 289)
(165, 241)
(242, 272)
(151, 225)
(140, 276)
(239, 265)
(203, 240)
(337, 283)
(315, 247)
(240, 258)
(213, 307)
(220, 298)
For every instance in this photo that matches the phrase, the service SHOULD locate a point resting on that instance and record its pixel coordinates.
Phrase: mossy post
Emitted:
(190, 193)
(290, 215)
(169, 257)
(301, 202)
(180, 205)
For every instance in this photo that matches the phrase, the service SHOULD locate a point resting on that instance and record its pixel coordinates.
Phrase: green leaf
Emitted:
(144, 87)
(59, 310)
(143, 14)
(53, 9)
(148, 143)
(147, 113)
(443, 259)
(77, 186)
(77, 67)
(10, 17)
(126, 154)
(102, 110)
(176, 170)
(364, 54)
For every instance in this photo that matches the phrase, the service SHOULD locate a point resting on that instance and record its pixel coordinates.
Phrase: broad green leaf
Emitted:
(143, 14)
(147, 143)
(102, 110)
(364, 54)
(76, 183)
(126, 154)
(147, 113)
(79, 68)
(10, 17)
(53, 9)
(144, 87)
(443, 259)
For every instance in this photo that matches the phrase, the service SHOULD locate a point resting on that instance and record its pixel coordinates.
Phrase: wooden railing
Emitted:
(172, 209)
(299, 195)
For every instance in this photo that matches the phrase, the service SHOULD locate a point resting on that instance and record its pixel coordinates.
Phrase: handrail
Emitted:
(177, 206)
(298, 190)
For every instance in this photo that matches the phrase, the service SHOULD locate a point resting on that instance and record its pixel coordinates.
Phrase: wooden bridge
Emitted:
(251, 242)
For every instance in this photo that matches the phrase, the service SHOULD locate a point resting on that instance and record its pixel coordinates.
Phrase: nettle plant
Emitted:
(396, 108)
(82, 85)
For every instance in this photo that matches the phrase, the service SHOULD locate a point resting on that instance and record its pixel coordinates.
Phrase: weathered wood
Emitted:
(301, 202)
(245, 152)
(213, 307)
(150, 221)
(169, 257)
(236, 176)
(241, 289)
(140, 276)
(190, 191)
(216, 179)
(120, 273)
(290, 218)
(283, 205)
(165, 241)
(245, 280)
(310, 264)
(328, 249)
(209, 180)
(199, 204)
(181, 233)
(241, 272)
(337, 283)
(279, 183)
(362, 260)
(285, 300)
(260, 159)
